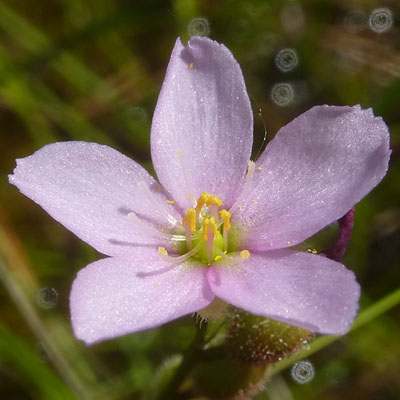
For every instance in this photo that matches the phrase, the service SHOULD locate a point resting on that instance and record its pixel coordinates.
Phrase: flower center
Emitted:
(206, 228)
(206, 231)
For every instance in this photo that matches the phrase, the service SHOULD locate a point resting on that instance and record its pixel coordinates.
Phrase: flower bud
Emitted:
(259, 340)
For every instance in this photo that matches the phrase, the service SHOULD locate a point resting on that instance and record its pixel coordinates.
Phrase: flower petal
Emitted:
(116, 296)
(201, 135)
(91, 189)
(314, 170)
(302, 289)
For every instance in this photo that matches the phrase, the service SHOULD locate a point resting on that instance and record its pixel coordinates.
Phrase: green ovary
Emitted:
(217, 247)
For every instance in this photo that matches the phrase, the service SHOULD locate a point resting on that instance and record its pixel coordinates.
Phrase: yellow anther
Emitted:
(191, 65)
(203, 199)
(214, 200)
(245, 254)
(190, 219)
(170, 201)
(260, 168)
(162, 251)
(226, 218)
(217, 258)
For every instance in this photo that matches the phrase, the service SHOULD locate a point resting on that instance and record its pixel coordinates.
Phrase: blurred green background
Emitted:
(92, 70)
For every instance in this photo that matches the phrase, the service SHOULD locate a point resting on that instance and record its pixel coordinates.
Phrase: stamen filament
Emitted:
(155, 272)
(225, 236)
(179, 259)
(243, 256)
(224, 256)
(189, 244)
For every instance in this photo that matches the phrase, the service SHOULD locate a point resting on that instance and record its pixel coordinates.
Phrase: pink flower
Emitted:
(314, 171)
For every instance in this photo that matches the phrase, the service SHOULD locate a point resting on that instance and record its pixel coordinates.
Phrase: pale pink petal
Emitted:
(314, 171)
(117, 296)
(91, 189)
(302, 289)
(201, 135)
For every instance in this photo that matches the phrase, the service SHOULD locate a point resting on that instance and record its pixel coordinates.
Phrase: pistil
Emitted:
(209, 231)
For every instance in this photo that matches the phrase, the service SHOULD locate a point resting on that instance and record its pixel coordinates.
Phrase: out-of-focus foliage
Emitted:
(91, 70)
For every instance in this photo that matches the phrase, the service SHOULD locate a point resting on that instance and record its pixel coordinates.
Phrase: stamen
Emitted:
(203, 199)
(190, 219)
(224, 256)
(179, 259)
(160, 271)
(226, 218)
(244, 255)
(189, 222)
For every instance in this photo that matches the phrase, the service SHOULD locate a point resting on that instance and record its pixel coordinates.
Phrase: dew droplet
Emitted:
(303, 372)
(199, 27)
(286, 60)
(380, 20)
(137, 114)
(47, 297)
(282, 94)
